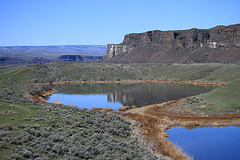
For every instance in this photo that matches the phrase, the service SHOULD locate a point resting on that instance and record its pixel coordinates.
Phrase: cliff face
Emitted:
(218, 44)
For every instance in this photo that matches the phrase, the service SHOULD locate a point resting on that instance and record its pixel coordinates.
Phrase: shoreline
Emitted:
(205, 83)
(42, 97)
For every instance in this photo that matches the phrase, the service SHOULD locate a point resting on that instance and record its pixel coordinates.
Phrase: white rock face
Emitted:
(124, 49)
(116, 49)
(111, 51)
(213, 44)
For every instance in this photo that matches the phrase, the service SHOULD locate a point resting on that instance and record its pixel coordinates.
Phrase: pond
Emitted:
(118, 95)
(207, 143)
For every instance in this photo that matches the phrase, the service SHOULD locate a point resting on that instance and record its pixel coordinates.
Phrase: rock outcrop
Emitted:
(78, 58)
(220, 44)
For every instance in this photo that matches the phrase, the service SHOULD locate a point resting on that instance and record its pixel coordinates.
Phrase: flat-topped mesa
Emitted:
(218, 44)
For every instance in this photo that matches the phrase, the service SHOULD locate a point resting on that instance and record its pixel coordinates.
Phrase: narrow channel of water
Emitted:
(209, 143)
(118, 95)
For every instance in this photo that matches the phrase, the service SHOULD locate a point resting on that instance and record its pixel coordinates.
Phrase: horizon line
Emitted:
(53, 45)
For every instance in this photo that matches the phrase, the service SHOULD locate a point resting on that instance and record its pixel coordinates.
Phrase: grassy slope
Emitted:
(225, 97)
(19, 113)
(210, 72)
(92, 70)
(228, 96)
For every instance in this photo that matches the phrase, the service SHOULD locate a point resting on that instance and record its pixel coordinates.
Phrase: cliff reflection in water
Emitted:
(135, 94)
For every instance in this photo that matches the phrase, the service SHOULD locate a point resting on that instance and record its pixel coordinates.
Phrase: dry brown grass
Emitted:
(97, 108)
(134, 107)
(70, 105)
(108, 109)
(57, 102)
(139, 81)
(124, 108)
(48, 93)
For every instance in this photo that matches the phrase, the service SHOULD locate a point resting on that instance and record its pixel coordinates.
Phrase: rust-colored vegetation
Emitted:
(139, 81)
(108, 109)
(124, 108)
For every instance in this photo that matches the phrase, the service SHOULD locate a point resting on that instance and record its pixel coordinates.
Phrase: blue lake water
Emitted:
(118, 95)
(85, 101)
(209, 143)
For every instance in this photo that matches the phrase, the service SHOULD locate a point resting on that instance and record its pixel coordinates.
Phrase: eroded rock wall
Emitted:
(218, 44)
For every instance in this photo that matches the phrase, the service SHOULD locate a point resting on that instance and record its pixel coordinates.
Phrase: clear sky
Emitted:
(100, 22)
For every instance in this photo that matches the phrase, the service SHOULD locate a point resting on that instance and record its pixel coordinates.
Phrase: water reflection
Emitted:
(118, 95)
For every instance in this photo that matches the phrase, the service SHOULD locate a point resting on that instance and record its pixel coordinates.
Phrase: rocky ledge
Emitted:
(220, 44)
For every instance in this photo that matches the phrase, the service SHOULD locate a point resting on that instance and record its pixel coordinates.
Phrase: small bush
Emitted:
(2, 145)
(117, 79)
(65, 78)
(27, 154)
(148, 78)
(100, 78)
(83, 78)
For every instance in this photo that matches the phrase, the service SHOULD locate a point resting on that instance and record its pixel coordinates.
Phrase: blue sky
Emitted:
(100, 22)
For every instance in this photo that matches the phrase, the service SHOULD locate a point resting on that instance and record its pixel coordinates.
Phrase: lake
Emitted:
(118, 95)
(208, 143)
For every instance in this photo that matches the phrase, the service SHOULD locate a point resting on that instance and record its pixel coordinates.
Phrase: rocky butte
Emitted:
(220, 44)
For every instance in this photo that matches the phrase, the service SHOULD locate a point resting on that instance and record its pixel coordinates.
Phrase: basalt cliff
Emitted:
(220, 44)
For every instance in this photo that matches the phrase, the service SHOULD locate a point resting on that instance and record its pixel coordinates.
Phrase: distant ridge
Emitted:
(87, 49)
(64, 58)
(44, 54)
(220, 44)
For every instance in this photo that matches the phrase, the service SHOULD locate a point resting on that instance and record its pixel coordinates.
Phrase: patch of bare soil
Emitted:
(157, 119)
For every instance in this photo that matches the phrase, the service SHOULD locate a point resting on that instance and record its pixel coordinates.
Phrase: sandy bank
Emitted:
(42, 97)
